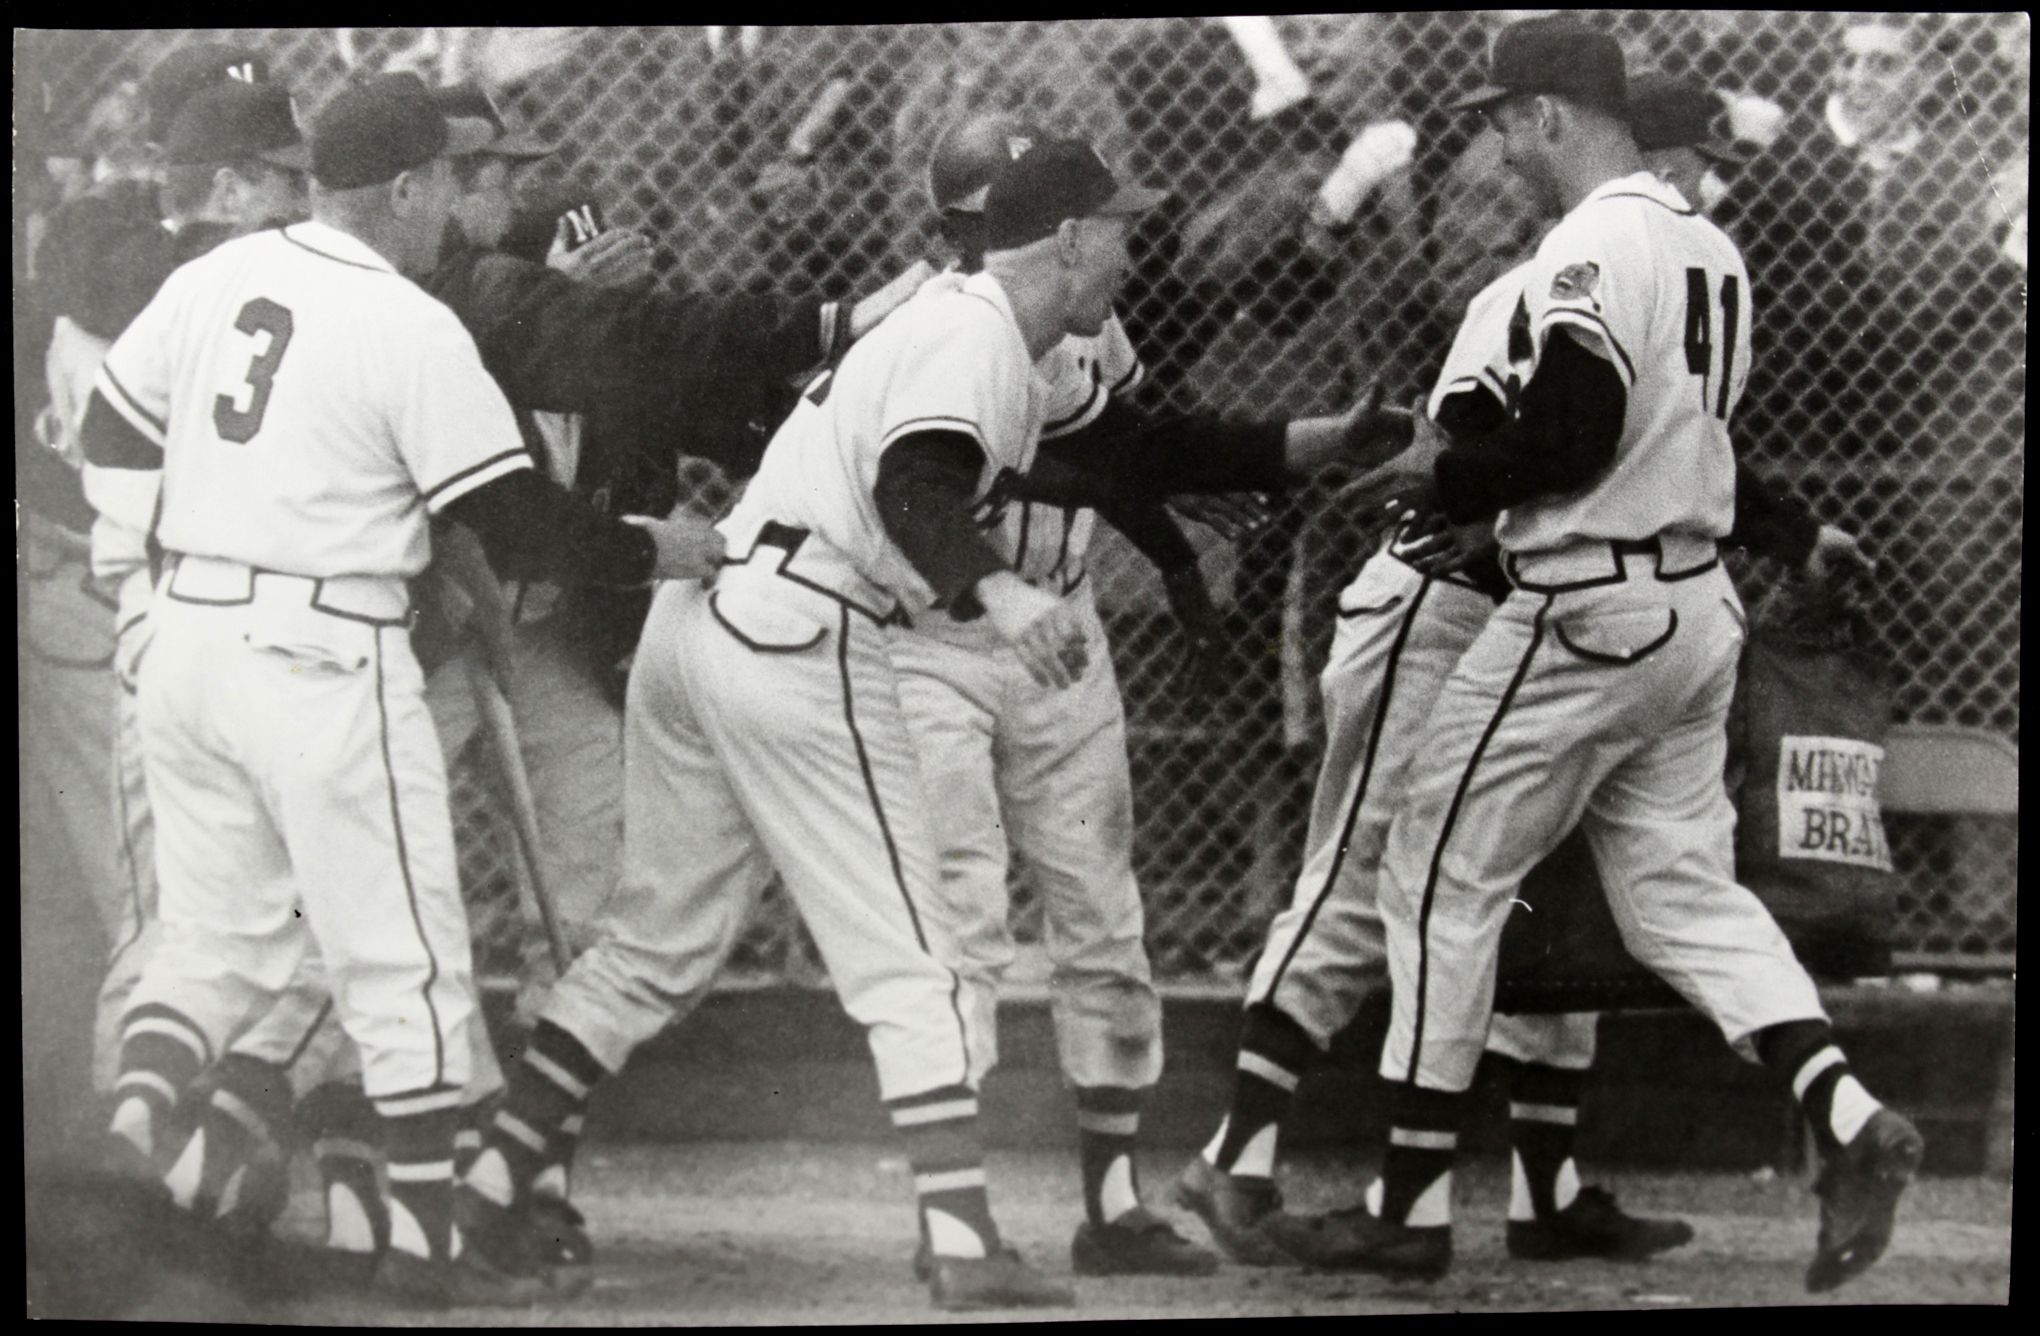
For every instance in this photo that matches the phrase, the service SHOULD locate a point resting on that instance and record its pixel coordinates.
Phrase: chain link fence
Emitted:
(1328, 220)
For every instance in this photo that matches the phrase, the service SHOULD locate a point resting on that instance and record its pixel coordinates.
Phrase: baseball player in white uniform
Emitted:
(1400, 631)
(1010, 763)
(1402, 625)
(1597, 693)
(763, 726)
(298, 784)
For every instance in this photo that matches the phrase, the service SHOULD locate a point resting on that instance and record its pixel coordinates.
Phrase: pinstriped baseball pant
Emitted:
(763, 731)
(1604, 707)
(1010, 765)
(1396, 641)
(300, 796)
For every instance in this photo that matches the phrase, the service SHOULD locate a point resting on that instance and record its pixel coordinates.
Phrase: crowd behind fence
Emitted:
(1327, 220)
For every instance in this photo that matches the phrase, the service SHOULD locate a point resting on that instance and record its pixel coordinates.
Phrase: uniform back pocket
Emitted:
(311, 639)
(764, 626)
(1618, 637)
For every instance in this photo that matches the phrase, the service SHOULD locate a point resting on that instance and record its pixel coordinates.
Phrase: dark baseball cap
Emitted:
(1669, 112)
(190, 68)
(1555, 55)
(472, 102)
(1053, 180)
(237, 120)
(382, 126)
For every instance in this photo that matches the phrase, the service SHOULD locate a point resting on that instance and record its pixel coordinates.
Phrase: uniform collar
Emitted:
(324, 239)
(1646, 183)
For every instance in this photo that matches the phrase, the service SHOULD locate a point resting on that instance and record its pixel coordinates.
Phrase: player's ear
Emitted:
(1068, 240)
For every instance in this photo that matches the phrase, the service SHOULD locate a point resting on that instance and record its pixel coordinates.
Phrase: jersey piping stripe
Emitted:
(1588, 320)
(404, 863)
(1133, 377)
(1360, 790)
(311, 1031)
(935, 424)
(1445, 834)
(338, 259)
(892, 851)
(1078, 418)
(1687, 212)
(134, 406)
(432, 495)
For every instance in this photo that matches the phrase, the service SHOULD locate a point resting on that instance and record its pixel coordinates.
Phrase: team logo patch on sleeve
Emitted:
(1576, 282)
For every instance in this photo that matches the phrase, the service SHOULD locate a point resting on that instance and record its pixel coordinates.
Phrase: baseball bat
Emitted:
(501, 728)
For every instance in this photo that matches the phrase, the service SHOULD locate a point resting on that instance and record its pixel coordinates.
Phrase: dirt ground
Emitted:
(777, 1234)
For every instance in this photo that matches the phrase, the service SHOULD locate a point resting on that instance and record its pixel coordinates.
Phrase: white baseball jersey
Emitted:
(1636, 273)
(1074, 380)
(951, 359)
(316, 443)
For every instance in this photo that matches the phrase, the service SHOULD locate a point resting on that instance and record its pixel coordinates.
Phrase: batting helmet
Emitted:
(972, 152)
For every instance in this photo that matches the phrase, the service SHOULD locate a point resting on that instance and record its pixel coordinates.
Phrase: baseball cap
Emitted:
(1556, 55)
(1049, 181)
(190, 68)
(472, 102)
(1669, 112)
(382, 126)
(973, 152)
(237, 120)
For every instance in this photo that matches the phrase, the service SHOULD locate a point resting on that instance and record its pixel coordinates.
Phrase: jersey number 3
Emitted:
(1700, 336)
(259, 316)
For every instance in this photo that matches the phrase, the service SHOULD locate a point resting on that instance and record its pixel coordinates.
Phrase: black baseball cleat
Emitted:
(1003, 1280)
(467, 1281)
(561, 1244)
(1859, 1187)
(1138, 1243)
(511, 1241)
(1235, 1208)
(1594, 1226)
(1355, 1239)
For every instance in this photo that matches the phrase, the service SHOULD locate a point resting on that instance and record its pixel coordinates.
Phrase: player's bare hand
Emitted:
(1837, 558)
(689, 547)
(1361, 437)
(467, 597)
(1230, 515)
(616, 260)
(1408, 481)
(1046, 632)
(1439, 548)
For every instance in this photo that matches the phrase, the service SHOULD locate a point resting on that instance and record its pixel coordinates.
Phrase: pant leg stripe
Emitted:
(404, 862)
(1445, 835)
(891, 849)
(127, 848)
(1374, 731)
(325, 1010)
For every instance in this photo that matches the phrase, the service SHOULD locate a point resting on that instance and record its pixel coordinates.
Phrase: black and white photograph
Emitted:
(1028, 670)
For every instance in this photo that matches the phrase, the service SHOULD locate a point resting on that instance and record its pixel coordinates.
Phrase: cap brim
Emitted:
(1484, 96)
(1725, 152)
(1131, 199)
(523, 146)
(297, 157)
(465, 135)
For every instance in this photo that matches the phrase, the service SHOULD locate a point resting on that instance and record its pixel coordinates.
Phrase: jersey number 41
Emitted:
(1700, 337)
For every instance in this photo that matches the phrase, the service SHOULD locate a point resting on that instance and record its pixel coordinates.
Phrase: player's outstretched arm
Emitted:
(533, 528)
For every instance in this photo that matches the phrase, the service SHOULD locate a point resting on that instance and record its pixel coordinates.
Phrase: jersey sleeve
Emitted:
(1082, 376)
(454, 429)
(1593, 275)
(958, 378)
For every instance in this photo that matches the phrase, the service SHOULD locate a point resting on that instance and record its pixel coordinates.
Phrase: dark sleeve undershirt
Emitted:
(1563, 438)
(532, 528)
(925, 483)
(1147, 524)
(1770, 520)
(1127, 456)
